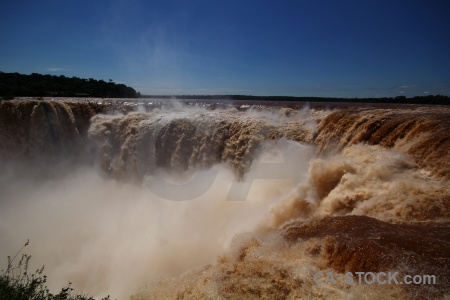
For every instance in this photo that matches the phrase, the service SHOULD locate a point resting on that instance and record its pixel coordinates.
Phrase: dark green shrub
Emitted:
(16, 283)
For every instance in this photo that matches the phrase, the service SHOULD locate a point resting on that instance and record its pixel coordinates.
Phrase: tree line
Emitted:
(429, 99)
(38, 85)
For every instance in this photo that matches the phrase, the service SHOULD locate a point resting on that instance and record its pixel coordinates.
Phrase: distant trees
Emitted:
(37, 85)
(429, 99)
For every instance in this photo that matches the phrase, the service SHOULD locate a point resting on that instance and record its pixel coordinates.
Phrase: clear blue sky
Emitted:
(300, 48)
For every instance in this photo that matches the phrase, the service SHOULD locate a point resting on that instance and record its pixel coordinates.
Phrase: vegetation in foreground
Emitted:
(16, 283)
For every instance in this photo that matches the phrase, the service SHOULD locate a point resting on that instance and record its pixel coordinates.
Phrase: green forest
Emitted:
(37, 85)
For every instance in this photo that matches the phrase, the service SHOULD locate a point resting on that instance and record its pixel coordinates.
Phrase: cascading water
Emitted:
(220, 200)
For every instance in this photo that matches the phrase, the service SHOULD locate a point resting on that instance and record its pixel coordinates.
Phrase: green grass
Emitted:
(17, 283)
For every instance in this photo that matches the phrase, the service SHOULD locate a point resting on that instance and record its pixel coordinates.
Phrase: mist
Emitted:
(172, 200)
(110, 237)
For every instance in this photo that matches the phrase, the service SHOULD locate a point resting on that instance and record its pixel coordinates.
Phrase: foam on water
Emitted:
(195, 202)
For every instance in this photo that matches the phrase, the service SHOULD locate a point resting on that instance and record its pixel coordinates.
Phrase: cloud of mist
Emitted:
(109, 237)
